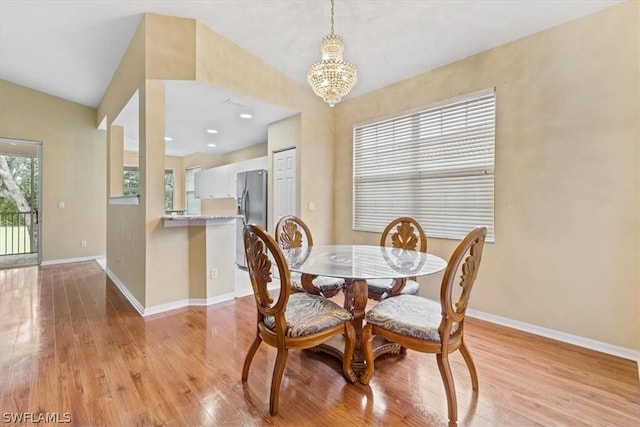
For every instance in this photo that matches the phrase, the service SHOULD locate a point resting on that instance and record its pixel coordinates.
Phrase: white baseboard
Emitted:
(625, 353)
(68, 260)
(161, 308)
(124, 291)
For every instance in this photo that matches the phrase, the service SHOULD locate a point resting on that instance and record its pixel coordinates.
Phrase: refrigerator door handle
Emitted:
(243, 207)
(246, 207)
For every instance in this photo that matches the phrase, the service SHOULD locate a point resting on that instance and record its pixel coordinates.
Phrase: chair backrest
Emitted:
(404, 233)
(261, 250)
(452, 312)
(291, 232)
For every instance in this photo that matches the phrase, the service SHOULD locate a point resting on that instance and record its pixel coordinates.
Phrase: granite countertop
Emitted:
(199, 217)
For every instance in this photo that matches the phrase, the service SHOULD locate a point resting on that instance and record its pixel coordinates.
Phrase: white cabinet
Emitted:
(220, 182)
(216, 183)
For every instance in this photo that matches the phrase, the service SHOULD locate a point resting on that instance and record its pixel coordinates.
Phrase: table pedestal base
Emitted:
(355, 300)
(335, 347)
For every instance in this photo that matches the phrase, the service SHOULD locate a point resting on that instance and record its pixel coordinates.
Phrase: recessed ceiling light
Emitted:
(246, 115)
(166, 138)
(212, 131)
(211, 145)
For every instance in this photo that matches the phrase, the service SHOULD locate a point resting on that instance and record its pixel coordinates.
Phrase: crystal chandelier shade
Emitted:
(332, 77)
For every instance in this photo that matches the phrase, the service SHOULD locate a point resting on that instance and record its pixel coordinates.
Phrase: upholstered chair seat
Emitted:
(409, 316)
(381, 286)
(308, 314)
(326, 285)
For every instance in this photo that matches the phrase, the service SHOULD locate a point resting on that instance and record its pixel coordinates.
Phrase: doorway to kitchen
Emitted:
(20, 183)
(284, 184)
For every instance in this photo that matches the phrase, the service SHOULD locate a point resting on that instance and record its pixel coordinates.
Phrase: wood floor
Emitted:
(70, 343)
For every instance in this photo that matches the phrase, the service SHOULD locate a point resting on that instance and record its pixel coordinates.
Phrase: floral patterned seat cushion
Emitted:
(323, 283)
(308, 314)
(380, 286)
(409, 315)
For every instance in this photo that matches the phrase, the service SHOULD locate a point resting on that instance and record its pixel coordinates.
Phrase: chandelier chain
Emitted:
(331, 17)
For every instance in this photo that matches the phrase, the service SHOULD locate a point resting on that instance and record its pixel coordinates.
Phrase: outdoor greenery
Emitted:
(17, 194)
(18, 202)
(130, 183)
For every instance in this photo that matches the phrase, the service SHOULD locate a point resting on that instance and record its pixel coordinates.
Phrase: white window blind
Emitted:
(436, 165)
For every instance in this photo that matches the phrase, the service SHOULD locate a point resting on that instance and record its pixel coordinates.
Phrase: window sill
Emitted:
(124, 200)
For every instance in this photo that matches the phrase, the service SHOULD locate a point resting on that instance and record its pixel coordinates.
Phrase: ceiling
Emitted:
(71, 49)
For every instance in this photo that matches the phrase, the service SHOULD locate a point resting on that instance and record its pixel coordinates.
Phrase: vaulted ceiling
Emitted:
(71, 49)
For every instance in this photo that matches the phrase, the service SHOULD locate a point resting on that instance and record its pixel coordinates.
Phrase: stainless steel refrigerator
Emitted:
(252, 206)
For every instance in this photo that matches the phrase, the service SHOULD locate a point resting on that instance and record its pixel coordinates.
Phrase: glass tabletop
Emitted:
(362, 262)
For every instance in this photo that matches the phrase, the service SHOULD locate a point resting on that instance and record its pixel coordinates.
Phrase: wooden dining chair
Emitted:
(426, 326)
(402, 233)
(291, 232)
(292, 321)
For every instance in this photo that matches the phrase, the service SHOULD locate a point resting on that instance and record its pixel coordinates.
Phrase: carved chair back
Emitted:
(404, 233)
(262, 251)
(466, 260)
(291, 232)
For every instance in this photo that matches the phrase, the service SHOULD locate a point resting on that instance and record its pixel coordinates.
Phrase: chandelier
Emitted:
(332, 77)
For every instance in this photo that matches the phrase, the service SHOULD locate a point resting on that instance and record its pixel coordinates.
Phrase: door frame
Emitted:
(39, 215)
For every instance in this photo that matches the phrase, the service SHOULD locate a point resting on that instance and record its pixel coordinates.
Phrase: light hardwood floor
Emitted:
(69, 342)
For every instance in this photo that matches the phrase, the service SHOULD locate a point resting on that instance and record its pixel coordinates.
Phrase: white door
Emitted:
(284, 184)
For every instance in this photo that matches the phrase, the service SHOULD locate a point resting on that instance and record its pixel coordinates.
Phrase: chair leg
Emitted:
(472, 368)
(349, 347)
(449, 387)
(247, 360)
(278, 371)
(367, 349)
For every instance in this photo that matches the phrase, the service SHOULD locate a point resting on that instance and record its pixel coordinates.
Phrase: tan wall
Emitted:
(126, 242)
(129, 158)
(567, 208)
(168, 44)
(73, 168)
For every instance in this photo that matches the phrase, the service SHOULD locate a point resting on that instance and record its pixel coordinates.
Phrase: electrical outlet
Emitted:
(83, 243)
(213, 273)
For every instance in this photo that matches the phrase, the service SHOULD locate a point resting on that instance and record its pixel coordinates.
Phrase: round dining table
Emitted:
(356, 264)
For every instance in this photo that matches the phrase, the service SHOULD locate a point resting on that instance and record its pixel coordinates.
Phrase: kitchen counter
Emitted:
(197, 220)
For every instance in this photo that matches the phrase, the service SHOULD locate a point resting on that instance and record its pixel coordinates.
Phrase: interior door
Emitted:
(284, 184)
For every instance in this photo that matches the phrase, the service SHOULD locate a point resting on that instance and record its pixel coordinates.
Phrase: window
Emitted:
(131, 178)
(436, 165)
(169, 182)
